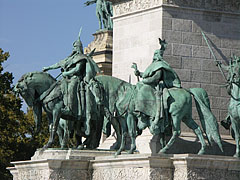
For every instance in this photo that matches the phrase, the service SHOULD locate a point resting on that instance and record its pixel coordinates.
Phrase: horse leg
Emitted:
(237, 153)
(66, 134)
(60, 135)
(117, 129)
(124, 135)
(132, 132)
(162, 140)
(176, 132)
(193, 125)
(53, 129)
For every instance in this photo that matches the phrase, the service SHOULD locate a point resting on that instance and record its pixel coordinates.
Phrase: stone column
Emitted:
(102, 43)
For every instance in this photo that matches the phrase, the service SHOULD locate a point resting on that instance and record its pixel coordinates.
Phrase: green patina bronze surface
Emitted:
(233, 89)
(157, 102)
(233, 85)
(104, 12)
(67, 98)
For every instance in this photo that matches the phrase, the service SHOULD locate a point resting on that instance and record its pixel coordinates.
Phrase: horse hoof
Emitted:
(48, 145)
(162, 151)
(117, 153)
(237, 155)
(130, 151)
(202, 151)
(80, 147)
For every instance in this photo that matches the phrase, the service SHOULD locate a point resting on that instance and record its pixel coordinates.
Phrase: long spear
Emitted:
(215, 59)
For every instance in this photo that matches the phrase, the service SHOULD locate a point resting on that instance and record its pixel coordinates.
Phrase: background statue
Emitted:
(104, 13)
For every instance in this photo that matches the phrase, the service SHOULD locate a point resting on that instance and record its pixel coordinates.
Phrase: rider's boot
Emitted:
(66, 110)
(159, 113)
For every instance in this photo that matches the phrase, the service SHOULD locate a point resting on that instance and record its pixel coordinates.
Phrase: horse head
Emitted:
(96, 89)
(30, 86)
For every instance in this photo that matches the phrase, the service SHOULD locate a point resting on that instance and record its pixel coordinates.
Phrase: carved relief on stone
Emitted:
(124, 7)
(72, 174)
(161, 173)
(103, 40)
(33, 174)
(121, 174)
(180, 173)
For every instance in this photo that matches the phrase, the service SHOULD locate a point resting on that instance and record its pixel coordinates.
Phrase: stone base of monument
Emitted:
(186, 143)
(102, 165)
(57, 164)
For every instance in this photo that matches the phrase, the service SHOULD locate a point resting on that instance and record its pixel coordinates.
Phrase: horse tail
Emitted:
(207, 119)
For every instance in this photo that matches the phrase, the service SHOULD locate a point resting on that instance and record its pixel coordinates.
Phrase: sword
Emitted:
(215, 59)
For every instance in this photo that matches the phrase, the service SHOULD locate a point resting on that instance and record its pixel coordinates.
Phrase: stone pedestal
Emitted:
(102, 165)
(57, 164)
(103, 42)
(186, 143)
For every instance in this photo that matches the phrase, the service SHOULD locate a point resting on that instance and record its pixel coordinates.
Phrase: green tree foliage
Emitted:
(17, 140)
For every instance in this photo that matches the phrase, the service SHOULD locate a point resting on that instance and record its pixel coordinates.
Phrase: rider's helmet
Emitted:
(158, 54)
(77, 45)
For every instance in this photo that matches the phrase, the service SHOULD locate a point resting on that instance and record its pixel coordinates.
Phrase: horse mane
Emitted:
(112, 79)
(30, 74)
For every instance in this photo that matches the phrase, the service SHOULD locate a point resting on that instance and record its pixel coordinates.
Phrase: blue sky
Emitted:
(39, 33)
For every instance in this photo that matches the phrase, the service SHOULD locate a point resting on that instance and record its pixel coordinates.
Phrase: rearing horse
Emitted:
(35, 85)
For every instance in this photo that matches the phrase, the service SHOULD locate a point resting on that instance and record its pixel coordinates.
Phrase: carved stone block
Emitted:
(103, 45)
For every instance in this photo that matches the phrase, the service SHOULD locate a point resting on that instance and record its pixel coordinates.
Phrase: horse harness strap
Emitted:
(47, 92)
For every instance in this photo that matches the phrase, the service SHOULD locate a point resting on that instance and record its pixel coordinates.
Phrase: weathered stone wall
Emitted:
(139, 23)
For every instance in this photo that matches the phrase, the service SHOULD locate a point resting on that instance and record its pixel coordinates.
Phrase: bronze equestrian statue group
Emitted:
(84, 102)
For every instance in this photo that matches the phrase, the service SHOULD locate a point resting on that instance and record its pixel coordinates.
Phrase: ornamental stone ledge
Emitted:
(122, 7)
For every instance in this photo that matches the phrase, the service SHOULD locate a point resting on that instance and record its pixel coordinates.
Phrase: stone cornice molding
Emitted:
(128, 6)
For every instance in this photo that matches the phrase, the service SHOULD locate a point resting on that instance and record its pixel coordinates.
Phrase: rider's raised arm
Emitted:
(55, 66)
(154, 79)
(90, 2)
